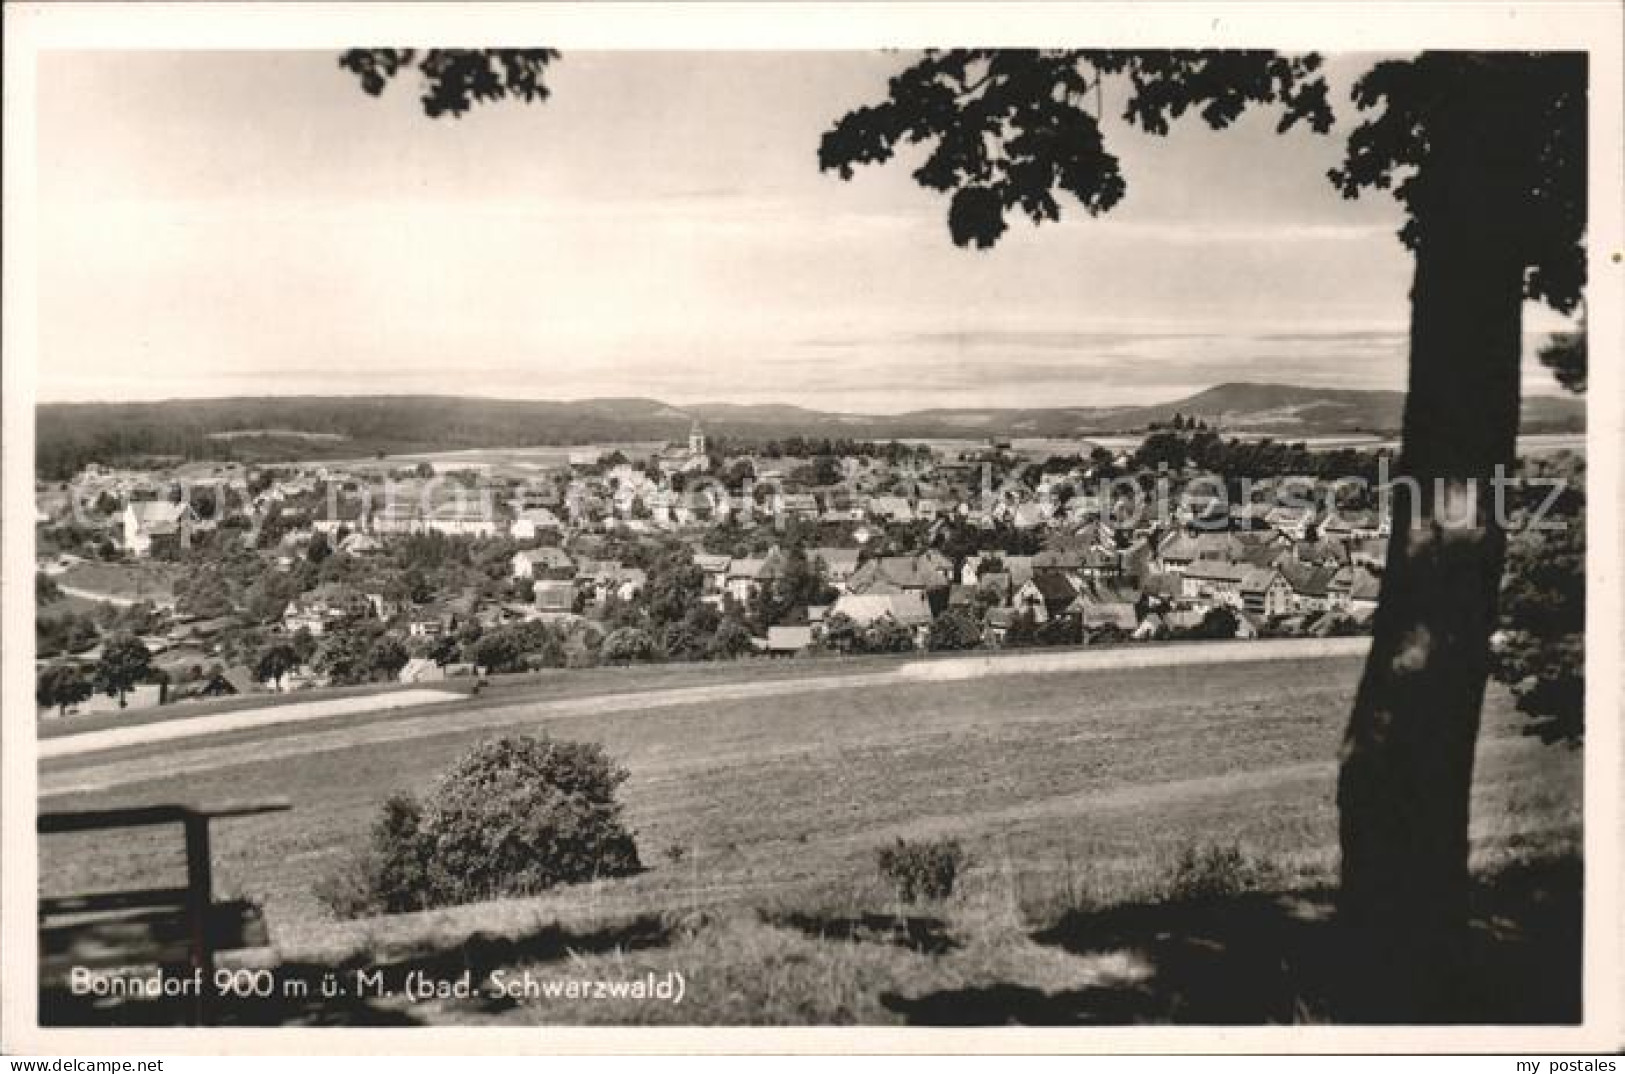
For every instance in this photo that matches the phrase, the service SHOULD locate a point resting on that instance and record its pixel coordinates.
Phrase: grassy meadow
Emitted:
(758, 820)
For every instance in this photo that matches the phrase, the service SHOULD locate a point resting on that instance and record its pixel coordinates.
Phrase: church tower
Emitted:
(696, 440)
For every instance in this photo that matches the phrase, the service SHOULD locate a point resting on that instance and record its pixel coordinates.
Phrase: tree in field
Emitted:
(215, 683)
(125, 662)
(304, 645)
(275, 661)
(497, 652)
(1486, 152)
(1219, 624)
(443, 650)
(388, 656)
(344, 656)
(203, 592)
(730, 640)
(61, 686)
(46, 591)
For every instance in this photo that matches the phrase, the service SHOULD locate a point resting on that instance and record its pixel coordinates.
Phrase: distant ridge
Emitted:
(292, 427)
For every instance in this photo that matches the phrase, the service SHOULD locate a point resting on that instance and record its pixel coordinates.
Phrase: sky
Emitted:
(250, 223)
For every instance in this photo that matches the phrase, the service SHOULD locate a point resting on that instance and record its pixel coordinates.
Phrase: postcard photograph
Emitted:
(1076, 536)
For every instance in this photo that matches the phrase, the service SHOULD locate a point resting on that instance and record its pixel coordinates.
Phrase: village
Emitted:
(164, 584)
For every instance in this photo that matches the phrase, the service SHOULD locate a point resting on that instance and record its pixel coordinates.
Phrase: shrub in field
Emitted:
(627, 645)
(513, 816)
(391, 875)
(920, 870)
(1214, 872)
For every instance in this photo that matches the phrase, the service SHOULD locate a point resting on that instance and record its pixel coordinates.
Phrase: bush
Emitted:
(514, 816)
(1215, 872)
(922, 870)
(627, 645)
(955, 630)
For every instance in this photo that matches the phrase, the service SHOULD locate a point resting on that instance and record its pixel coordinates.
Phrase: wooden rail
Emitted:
(147, 919)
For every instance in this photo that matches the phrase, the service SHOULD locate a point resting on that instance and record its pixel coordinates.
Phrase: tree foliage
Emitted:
(514, 816)
(955, 630)
(1008, 128)
(125, 662)
(1527, 114)
(1539, 650)
(61, 686)
(628, 645)
(274, 661)
(453, 80)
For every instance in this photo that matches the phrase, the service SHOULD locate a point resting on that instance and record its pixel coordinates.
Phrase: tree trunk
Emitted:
(1407, 756)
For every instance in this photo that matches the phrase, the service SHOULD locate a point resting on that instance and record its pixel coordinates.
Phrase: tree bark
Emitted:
(1407, 757)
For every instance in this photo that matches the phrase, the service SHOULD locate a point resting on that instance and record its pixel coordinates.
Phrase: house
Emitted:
(462, 520)
(1151, 628)
(324, 608)
(890, 509)
(1371, 552)
(714, 568)
(1030, 516)
(1310, 585)
(788, 640)
(1354, 525)
(1251, 517)
(1214, 582)
(1265, 592)
(1162, 591)
(864, 609)
(1364, 590)
(1018, 568)
(743, 578)
(240, 679)
(606, 576)
(421, 669)
(1101, 563)
(1064, 559)
(690, 458)
(1294, 521)
(798, 505)
(1262, 548)
(1048, 595)
(839, 564)
(1116, 616)
(554, 597)
(359, 544)
(397, 518)
(430, 622)
(1321, 553)
(1339, 588)
(901, 574)
(530, 522)
(629, 582)
(142, 696)
(1176, 552)
(542, 563)
(158, 525)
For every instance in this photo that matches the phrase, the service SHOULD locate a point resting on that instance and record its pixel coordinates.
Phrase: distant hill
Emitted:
(294, 427)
